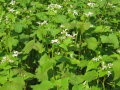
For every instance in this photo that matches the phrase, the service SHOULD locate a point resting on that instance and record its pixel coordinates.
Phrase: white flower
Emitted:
(55, 41)
(71, 6)
(118, 51)
(11, 61)
(74, 35)
(54, 6)
(91, 4)
(62, 26)
(71, 55)
(89, 14)
(95, 59)
(104, 66)
(42, 23)
(6, 59)
(75, 12)
(110, 65)
(91, 25)
(16, 53)
(11, 10)
(12, 2)
(109, 73)
(84, 83)
(68, 35)
(17, 12)
(58, 53)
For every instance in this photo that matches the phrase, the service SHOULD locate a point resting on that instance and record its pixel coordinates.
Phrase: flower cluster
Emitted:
(109, 73)
(16, 53)
(42, 23)
(67, 34)
(6, 59)
(11, 10)
(54, 6)
(97, 58)
(91, 4)
(55, 41)
(104, 66)
(88, 14)
(74, 12)
(12, 2)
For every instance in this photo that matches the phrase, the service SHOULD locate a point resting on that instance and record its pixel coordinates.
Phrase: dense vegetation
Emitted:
(59, 45)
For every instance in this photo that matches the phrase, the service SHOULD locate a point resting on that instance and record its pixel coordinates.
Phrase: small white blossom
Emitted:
(42, 23)
(109, 73)
(11, 10)
(118, 51)
(58, 53)
(89, 14)
(91, 4)
(68, 35)
(54, 6)
(71, 6)
(71, 55)
(12, 2)
(11, 61)
(16, 53)
(62, 26)
(17, 12)
(75, 12)
(55, 41)
(91, 25)
(95, 59)
(103, 66)
(110, 65)
(6, 59)
(74, 35)
(84, 83)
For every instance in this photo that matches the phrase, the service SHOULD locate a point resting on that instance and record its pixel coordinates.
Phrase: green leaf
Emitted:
(10, 42)
(15, 84)
(62, 84)
(60, 19)
(112, 38)
(28, 47)
(18, 27)
(91, 75)
(92, 43)
(116, 69)
(45, 65)
(79, 87)
(95, 88)
(83, 26)
(102, 73)
(92, 65)
(45, 85)
(39, 47)
(42, 16)
(76, 79)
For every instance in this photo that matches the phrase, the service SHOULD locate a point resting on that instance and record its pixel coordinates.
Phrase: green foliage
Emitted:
(59, 45)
